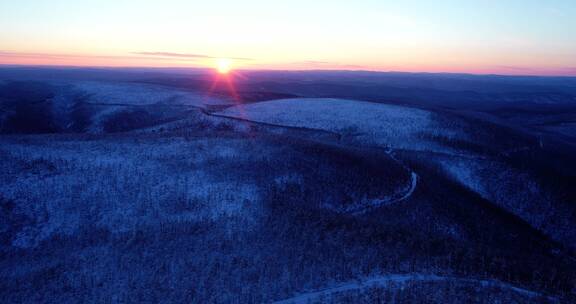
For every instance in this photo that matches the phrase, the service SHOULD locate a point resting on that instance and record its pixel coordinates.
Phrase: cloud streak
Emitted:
(313, 62)
(326, 64)
(169, 56)
(10, 54)
(185, 55)
(105, 60)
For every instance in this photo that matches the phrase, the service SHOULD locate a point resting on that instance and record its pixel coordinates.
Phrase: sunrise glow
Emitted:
(223, 65)
(519, 37)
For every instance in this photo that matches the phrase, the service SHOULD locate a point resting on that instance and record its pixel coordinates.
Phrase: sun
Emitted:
(223, 65)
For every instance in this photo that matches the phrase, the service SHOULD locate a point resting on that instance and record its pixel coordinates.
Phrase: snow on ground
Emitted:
(508, 187)
(514, 190)
(100, 116)
(105, 101)
(117, 185)
(385, 280)
(62, 104)
(367, 204)
(565, 128)
(142, 94)
(370, 123)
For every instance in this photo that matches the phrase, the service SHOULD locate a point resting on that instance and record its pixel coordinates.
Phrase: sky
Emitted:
(526, 37)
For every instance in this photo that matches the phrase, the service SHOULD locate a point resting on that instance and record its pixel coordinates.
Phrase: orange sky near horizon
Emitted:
(515, 37)
(172, 61)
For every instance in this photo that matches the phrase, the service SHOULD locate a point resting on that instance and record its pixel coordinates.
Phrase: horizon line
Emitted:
(55, 66)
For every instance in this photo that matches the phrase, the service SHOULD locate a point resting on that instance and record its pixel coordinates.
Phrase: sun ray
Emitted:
(224, 65)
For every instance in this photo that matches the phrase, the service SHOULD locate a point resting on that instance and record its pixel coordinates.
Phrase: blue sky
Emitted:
(506, 36)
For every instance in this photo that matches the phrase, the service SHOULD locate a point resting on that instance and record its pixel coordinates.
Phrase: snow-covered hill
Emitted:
(142, 94)
(369, 123)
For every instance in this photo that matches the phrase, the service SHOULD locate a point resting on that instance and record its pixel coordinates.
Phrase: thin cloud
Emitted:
(185, 55)
(313, 62)
(167, 56)
(507, 67)
(326, 64)
(10, 54)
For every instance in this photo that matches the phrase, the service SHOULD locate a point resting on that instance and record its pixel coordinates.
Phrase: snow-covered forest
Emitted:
(149, 191)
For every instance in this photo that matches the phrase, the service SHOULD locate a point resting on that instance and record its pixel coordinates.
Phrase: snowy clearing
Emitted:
(369, 123)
